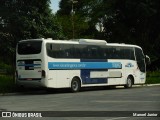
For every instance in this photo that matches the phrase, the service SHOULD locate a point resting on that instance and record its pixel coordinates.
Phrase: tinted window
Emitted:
(88, 51)
(60, 50)
(119, 53)
(127, 53)
(29, 47)
(140, 59)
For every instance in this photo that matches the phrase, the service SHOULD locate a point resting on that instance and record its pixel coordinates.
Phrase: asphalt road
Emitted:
(93, 99)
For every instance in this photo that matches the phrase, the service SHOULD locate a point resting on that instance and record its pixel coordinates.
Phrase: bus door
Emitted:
(141, 65)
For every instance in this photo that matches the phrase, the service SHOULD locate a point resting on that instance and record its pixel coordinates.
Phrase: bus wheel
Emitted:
(75, 85)
(129, 82)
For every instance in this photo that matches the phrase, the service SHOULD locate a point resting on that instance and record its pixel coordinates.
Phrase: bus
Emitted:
(78, 63)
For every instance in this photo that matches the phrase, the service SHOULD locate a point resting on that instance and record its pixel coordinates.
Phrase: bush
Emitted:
(6, 69)
(7, 84)
(153, 77)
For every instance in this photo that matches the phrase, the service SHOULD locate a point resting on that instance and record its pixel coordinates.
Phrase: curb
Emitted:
(151, 84)
(145, 85)
(7, 94)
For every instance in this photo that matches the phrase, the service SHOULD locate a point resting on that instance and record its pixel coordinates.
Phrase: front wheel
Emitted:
(129, 82)
(75, 85)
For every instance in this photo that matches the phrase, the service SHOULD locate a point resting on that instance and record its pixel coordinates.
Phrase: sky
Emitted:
(54, 5)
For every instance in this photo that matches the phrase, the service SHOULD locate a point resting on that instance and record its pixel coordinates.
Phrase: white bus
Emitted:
(79, 63)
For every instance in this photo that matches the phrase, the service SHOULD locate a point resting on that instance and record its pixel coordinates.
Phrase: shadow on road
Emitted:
(40, 91)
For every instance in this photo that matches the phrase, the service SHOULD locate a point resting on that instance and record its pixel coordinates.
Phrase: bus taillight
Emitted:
(43, 74)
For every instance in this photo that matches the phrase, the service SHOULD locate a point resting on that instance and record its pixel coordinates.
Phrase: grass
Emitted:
(153, 77)
(7, 83)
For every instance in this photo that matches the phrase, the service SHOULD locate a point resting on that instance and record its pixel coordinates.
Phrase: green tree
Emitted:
(25, 19)
(73, 21)
(122, 21)
(134, 22)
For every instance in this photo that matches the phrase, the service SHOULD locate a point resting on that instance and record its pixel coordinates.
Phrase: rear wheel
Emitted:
(129, 82)
(75, 85)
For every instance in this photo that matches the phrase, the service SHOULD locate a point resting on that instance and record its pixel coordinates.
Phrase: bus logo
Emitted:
(129, 65)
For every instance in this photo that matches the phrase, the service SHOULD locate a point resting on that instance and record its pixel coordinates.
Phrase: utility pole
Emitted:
(72, 15)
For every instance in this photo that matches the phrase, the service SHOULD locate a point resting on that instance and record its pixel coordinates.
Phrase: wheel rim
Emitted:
(129, 82)
(75, 85)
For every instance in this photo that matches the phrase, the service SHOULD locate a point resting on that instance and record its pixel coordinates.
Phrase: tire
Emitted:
(75, 85)
(129, 82)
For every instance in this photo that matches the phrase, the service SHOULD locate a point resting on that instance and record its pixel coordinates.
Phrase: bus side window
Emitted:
(113, 53)
(50, 50)
(57, 51)
(77, 52)
(65, 51)
(93, 52)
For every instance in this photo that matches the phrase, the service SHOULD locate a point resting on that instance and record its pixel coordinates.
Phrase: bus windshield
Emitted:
(29, 47)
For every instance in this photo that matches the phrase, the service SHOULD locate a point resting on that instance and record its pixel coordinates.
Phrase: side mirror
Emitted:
(147, 59)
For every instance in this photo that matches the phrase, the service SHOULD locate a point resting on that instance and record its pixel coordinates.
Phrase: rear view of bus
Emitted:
(29, 61)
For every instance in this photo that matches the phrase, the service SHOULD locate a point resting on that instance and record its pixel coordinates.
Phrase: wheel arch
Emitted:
(132, 77)
(77, 77)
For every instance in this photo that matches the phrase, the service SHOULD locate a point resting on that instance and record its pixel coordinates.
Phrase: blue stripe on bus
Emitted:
(29, 64)
(84, 65)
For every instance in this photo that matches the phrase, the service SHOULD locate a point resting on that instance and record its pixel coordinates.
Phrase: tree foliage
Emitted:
(121, 21)
(25, 19)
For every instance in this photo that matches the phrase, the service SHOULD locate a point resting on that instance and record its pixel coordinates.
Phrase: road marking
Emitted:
(117, 118)
(100, 101)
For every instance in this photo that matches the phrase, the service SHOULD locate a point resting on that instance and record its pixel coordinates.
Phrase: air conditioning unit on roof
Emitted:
(92, 41)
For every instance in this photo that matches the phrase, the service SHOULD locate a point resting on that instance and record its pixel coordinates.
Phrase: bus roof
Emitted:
(84, 41)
